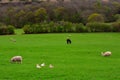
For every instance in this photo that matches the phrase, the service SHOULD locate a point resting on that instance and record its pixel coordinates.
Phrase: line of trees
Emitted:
(75, 12)
(68, 27)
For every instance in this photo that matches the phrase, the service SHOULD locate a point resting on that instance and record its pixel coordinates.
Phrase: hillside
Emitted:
(76, 11)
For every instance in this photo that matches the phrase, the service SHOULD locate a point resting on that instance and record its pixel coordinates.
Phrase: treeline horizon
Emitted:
(76, 11)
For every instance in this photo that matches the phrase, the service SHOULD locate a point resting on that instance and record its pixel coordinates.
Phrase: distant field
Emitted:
(79, 61)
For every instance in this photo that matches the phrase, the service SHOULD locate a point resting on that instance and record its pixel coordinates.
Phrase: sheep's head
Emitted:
(108, 53)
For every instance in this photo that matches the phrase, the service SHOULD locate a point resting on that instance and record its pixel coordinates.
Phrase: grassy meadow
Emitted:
(80, 60)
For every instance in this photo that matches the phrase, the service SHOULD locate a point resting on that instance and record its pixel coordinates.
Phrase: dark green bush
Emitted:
(6, 30)
(27, 29)
(99, 27)
(117, 17)
(10, 29)
(65, 27)
(116, 26)
(3, 30)
(36, 28)
(69, 27)
(80, 28)
(54, 27)
(51, 27)
(44, 27)
(106, 27)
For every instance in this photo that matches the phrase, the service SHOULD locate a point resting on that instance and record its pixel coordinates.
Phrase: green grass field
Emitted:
(81, 60)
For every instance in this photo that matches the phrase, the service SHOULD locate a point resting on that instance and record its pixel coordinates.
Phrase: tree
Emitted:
(97, 6)
(8, 19)
(59, 13)
(20, 18)
(95, 17)
(117, 17)
(117, 7)
(30, 17)
(40, 15)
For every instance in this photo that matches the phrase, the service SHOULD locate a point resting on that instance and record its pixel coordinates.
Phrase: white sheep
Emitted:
(43, 64)
(107, 53)
(38, 66)
(17, 59)
(51, 66)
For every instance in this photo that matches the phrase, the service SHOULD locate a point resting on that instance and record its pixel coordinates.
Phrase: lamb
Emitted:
(38, 66)
(43, 64)
(51, 66)
(107, 53)
(17, 59)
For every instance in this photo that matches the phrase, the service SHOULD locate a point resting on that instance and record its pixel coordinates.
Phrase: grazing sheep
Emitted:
(17, 59)
(107, 53)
